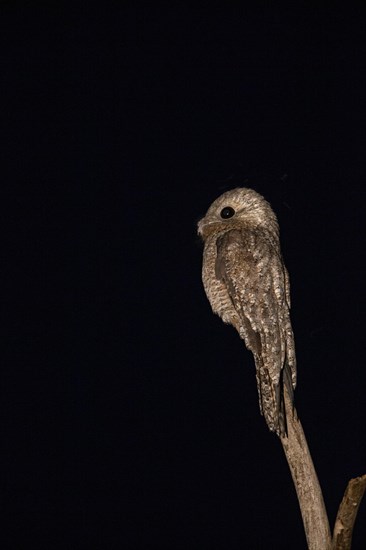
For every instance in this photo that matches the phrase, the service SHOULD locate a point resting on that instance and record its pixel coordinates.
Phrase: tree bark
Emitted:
(306, 482)
(347, 512)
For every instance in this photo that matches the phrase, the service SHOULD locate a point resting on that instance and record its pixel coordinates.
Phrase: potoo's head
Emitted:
(238, 208)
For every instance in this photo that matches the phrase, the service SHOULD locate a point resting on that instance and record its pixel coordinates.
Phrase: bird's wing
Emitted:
(252, 270)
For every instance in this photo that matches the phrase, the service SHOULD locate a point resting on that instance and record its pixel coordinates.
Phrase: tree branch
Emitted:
(347, 512)
(306, 482)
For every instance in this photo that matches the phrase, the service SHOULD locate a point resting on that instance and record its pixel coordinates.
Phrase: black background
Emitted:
(130, 411)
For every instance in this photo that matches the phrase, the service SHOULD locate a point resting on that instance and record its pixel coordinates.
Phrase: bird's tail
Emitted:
(271, 398)
(285, 382)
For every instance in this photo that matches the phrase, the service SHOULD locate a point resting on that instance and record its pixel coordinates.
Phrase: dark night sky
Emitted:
(130, 410)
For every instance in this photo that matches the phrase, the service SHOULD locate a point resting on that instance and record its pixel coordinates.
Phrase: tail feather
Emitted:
(271, 398)
(285, 382)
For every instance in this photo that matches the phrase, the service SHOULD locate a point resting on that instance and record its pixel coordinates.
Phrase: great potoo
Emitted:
(248, 286)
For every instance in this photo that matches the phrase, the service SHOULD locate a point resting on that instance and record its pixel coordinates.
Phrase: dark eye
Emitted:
(227, 212)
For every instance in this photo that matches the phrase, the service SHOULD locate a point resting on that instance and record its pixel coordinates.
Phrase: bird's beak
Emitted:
(203, 226)
(199, 227)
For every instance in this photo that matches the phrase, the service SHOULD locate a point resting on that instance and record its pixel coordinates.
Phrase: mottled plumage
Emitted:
(247, 285)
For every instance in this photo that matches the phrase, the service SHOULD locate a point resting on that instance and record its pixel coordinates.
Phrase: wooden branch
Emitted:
(347, 512)
(306, 482)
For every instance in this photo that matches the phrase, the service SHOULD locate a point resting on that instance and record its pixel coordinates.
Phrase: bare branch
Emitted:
(306, 482)
(347, 512)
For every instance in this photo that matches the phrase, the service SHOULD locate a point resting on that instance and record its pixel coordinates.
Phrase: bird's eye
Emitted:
(227, 212)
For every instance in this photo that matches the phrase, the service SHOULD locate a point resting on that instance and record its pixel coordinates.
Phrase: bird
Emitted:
(247, 285)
